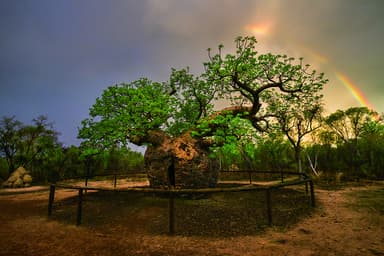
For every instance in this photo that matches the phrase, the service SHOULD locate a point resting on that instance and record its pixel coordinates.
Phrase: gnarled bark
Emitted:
(182, 162)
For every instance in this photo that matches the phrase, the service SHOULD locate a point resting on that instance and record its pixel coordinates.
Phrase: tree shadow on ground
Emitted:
(216, 215)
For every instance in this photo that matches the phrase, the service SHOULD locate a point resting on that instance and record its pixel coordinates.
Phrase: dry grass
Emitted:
(217, 215)
(225, 224)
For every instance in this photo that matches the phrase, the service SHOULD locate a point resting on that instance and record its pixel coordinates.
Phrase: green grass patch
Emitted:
(371, 200)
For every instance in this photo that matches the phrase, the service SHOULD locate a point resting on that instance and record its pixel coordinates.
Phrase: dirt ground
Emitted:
(335, 227)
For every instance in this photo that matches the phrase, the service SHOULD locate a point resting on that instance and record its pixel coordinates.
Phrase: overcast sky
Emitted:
(56, 57)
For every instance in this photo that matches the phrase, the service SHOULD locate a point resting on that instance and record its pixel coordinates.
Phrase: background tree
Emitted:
(298, 119)
(72, 163)
(322, 151)
(372, 148)
(164, 116)
(29, 146)
(9, 139)
(38, 143)
(274, 152)
(348, 126)
(35, 146)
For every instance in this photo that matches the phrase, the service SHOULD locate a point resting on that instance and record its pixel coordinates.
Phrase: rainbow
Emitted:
(357, 94)
(347, 82)
(264, 29)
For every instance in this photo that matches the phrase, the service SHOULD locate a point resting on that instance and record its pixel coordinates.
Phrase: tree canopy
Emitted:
(26, 145)
(256, 86)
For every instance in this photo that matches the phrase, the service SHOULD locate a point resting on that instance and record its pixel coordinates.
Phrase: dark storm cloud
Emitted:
(56, 57)
(64, 35)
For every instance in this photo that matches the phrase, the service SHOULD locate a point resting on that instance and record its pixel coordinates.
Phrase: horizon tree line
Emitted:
(350, 141)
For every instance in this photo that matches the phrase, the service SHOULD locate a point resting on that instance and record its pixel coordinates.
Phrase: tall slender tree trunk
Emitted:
(298, 159)
(11, 165)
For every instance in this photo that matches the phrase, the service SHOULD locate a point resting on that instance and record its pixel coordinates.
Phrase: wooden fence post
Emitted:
(269, 206)
(115, 181)
(79, 207)
(312, 190)
(171, 206)
(51, 199)
(86, 183)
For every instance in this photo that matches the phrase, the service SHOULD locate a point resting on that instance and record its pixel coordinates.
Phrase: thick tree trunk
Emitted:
(181, 162)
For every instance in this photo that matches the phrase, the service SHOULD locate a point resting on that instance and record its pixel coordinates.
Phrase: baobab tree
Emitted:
(176, 121)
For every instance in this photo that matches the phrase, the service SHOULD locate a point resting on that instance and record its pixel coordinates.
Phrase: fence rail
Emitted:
(171, 192)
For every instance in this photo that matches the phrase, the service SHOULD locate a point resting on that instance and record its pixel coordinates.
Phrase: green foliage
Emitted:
(348, 125)
(372, 149)
(3, 169)
(115, 160)
(273, 152)
(127, 112)
(72, 162)
(193, 100)
(9, 140)
(248, 77)
(123, 160)
(288, 90)
(27, 145)
(35, 147)
(328, 159)
(351, 142)
(233, 138)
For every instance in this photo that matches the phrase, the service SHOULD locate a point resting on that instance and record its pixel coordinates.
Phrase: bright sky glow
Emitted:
(261, 29)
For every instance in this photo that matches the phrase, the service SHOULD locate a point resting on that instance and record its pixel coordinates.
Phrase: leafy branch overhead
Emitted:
(258, 87)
